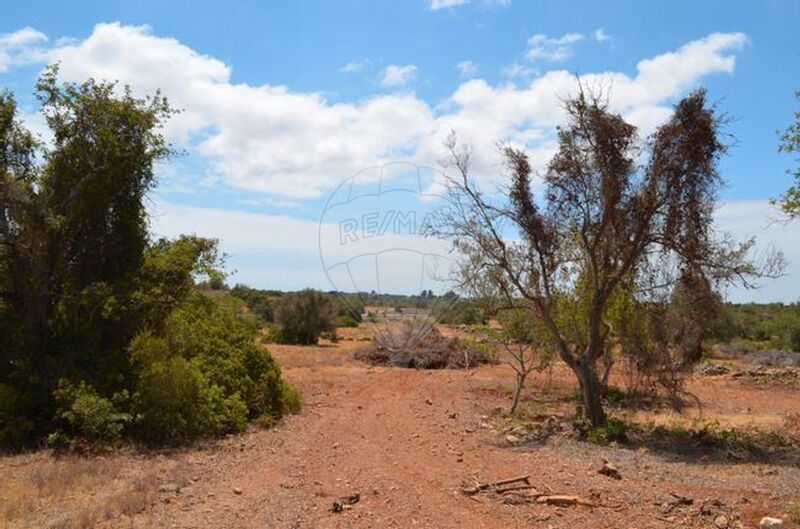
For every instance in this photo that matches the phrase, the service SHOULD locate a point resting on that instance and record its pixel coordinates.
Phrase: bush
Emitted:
(257, 300)
(613, 431)
(85, 416)
(204, 376)
(459, 312)
(272, 334)
(292, 399)
(175, 402)
(304, 316)
(345, 320)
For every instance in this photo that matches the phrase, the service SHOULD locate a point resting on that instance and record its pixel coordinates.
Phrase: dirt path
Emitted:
(405, 439)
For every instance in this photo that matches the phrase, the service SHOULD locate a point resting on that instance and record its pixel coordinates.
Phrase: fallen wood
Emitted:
(676, 502)
(564, 500)
(339, 503)
(495, 485)
(512, 489)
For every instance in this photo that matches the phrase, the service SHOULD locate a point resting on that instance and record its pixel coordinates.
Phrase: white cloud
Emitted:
(759, 219)
(354, 66)
(20, 47)
(294, 145)
(268, 138)
(467, 68)
(554, 49)
(436, 5)
(258, 137)
(519, 71)
(396, 75)
(263, 246)
(601, 36)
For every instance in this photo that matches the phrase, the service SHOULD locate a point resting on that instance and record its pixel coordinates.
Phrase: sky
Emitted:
(282, 103)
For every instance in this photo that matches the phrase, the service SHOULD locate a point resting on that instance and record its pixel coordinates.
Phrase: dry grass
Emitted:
(51, 493)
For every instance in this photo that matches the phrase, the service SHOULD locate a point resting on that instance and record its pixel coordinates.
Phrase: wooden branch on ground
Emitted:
(498, 485)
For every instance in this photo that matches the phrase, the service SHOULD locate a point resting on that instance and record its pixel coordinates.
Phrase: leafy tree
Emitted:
(304, 316)
(259, 301)
(790, 143)
(74, 234)
(91, 309)
(605, 224)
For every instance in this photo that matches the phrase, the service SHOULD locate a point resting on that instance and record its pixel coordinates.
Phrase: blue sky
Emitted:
(284, 101)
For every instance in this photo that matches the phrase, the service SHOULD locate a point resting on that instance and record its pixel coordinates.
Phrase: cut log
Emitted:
(564, 500)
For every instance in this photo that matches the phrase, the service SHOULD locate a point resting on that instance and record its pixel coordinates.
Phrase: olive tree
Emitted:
(615, 214)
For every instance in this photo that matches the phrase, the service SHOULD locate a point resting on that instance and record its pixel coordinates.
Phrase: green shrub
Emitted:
(345, 320)
(615, 396)
(258, 301)
(793, 510)
(794, 339)
(292, 399)
(349, 307)
(83, 415)
(204, 376)
(459, 312)
(272, 334)
(304, 316)
(613, 431)
(174, 402)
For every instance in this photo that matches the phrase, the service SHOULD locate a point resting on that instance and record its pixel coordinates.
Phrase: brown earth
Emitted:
(407, 441)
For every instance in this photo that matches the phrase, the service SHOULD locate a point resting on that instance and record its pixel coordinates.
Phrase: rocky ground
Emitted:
(408, 442)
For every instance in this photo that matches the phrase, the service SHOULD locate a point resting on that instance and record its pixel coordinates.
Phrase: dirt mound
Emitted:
(432, 351)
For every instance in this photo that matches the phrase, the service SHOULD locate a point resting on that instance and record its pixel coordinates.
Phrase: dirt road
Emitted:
(406, 441)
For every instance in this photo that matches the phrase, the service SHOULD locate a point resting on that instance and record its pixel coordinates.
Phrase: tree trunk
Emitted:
(591, 391)
(517, 392)
(608, 363)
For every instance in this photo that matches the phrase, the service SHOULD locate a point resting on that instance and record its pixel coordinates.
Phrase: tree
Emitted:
(605, 224)
(97, 320)
(789, 202)
(524, 348)
(74, 233)
(304, 316)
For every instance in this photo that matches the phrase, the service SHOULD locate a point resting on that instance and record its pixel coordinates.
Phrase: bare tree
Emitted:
(606, 226)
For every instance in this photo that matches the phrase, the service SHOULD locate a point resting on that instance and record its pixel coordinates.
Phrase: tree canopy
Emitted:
(619, 223)
(789, 202)
(101, 328)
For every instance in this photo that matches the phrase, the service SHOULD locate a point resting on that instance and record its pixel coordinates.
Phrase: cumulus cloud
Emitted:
(396, 75)
(436, 5)
(467, 68)
(554, 49)
(268, 138)
(758, 218)
(518, 71)
(20, 47)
